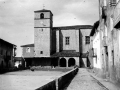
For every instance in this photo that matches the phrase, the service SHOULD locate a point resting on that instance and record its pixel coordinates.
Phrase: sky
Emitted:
(17, 17)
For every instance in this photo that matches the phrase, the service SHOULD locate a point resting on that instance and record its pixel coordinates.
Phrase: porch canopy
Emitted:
(66, 53)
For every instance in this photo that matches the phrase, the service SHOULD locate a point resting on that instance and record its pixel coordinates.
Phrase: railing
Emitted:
(60, 82)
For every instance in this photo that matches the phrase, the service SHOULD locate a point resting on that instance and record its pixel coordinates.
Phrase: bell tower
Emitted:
(42, 33)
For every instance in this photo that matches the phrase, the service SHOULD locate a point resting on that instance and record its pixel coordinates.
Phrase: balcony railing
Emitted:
(116, 14)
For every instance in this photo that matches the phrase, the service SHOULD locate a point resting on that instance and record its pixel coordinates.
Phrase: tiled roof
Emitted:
(6, 41)
(73, 27)
(28, 45)
(95, 26)
(67, 53)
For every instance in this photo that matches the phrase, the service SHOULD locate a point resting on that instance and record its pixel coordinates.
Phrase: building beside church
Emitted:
(7, 54)
(63, 46)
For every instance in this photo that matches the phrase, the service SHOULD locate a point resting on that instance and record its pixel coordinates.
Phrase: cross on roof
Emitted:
(43, 6)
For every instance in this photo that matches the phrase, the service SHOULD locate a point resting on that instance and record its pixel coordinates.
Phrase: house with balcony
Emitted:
(108, 41)
(115, 33)
(7, 54)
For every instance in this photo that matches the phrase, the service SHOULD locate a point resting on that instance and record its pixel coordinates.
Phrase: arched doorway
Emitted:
(71, 62)
(62, 62)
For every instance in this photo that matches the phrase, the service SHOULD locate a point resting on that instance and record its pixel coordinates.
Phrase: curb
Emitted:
(99, 82)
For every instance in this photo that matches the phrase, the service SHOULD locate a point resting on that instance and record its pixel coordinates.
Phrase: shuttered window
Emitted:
(67, 40)
(87, 39)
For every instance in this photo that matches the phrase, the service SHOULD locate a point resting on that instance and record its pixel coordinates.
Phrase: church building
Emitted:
(63, 46)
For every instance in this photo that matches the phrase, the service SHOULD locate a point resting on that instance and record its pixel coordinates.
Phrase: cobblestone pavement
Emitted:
(84, 81)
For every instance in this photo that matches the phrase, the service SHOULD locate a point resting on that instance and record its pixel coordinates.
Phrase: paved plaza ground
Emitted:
(85, 80)
(26, 80)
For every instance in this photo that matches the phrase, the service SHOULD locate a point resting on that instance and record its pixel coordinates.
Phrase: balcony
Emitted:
(116, 14)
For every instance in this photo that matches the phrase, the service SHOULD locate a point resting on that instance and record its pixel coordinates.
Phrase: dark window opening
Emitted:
(87, 39)
(41, 15)
(41, 52)
(28, 49)
(67, 40)
(41, 30)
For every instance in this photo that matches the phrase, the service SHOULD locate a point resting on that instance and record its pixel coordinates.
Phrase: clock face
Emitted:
(42, 23)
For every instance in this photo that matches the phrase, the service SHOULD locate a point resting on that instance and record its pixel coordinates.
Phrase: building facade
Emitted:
(28, 54)
(109, 40)
(63, 46)
(7, 54)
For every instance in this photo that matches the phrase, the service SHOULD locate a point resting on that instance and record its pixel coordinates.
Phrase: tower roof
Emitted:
(43, 10)
(28, 45)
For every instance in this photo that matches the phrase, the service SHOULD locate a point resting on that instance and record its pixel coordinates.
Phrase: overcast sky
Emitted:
(17, 17)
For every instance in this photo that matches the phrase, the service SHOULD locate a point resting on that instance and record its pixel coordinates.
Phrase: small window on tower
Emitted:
(41, 30)
(41, 52)
(41, 15)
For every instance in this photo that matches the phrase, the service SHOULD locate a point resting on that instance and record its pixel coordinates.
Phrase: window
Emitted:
(41, 15)
(94, 52)
(87, 39)
(41, 30)
(41, 52)
(67, 40)
(113, 57)
(27, 49)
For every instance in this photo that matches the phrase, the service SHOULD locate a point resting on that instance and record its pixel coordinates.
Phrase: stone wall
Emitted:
(60, 82)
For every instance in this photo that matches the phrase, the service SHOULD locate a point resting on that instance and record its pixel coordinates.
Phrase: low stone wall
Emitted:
(60, 82)
(45, 68)
(49, 86)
